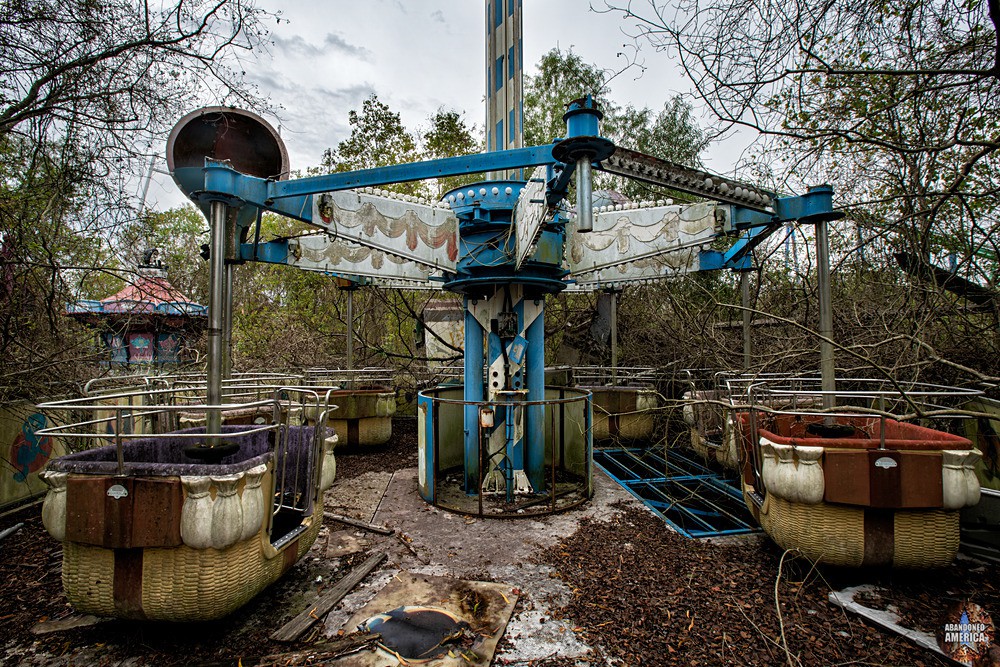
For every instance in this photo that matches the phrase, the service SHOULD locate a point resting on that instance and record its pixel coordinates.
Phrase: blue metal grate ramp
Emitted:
(695, 500)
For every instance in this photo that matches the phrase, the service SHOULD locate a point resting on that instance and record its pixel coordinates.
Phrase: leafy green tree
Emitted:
(896, 105)
(378, 139)
(50, 246)
(449, 136)
(562, 77)
(87, 89)
(672, 134)
(177, 234)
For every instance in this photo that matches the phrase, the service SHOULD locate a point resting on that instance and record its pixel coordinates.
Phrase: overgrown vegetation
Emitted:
(87, 90)
(895, 105)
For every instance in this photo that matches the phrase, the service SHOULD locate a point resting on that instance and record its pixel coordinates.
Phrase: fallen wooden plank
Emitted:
(336, 648)
(292, 630)
(21, 508)
(310, 654)
(68, 623)
(358, 524)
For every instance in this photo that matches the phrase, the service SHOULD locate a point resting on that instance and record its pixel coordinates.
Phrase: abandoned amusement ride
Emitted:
(176, 482)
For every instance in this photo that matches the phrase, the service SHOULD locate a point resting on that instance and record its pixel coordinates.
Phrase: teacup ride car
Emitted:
(853, 486)
(184, 525)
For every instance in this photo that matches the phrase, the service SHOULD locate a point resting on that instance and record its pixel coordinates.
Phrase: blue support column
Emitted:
(535, 419)
(426, 464)
(494, 458)
(473, 394)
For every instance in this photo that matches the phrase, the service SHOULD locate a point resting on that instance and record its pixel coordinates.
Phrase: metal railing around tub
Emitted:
(297, 447)
(298, 463)
(453, 475)
(875, 401)
(350, 378)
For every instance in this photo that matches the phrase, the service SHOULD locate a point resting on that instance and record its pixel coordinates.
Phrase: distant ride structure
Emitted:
(148, 323)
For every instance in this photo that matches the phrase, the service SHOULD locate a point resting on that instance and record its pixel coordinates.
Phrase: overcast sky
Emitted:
(327, 56)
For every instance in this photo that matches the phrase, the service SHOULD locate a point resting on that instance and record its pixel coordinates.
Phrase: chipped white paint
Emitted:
(227, 512)
(54, 505)
(405, 227)
(959, 484)
(196, 515)
(621, 240)
(252, 500)
(793, 472)
(530, 215)
(329, 472)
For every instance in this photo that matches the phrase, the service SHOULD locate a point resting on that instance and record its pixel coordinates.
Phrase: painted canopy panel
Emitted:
(641, 244)
(322, 253)
(529, 216)
(393, 224)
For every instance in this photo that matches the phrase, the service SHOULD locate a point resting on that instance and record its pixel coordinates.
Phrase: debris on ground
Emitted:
(606, 585)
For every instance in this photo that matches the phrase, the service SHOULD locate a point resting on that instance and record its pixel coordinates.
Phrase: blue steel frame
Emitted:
(683, 470)
(486, 259)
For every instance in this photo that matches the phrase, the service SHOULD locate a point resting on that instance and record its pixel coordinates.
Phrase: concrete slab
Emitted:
(469, 545)
(345, 542)
(434, 542)
(358, 497)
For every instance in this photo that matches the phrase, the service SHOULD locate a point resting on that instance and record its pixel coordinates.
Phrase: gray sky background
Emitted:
(327, 56)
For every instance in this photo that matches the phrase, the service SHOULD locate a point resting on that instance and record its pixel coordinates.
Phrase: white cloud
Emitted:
(331, 54)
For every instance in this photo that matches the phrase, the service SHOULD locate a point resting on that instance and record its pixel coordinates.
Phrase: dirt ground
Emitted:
(635, 593)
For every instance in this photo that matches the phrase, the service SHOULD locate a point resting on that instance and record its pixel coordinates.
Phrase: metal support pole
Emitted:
(473, 395)
(614, 337)
(216, 307)
(747, 319)
(534, 437)
(350, 332)
(227, 323)
(584, 196)
(828, 371)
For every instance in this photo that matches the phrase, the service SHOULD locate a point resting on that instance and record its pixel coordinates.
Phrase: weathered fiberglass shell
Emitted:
(880, 493)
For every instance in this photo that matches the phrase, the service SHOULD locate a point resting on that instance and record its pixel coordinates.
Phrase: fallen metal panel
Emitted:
(396, 225)
(693, 499)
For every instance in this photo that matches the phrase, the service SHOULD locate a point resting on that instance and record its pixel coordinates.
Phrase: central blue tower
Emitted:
(505, 328)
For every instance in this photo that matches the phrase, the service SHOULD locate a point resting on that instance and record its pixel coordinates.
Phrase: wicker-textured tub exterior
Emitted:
(859, 501)
(852, 537)
(713, 436)
(363, 417)
(624, 413)
(172, 547)
(177, 583)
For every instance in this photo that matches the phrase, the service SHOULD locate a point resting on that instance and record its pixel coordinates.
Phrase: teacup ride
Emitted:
(365, 402)
(241, 389)
(852, 485)
(185, 525)
(185, 388)
(710, 401)
(981, 523)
